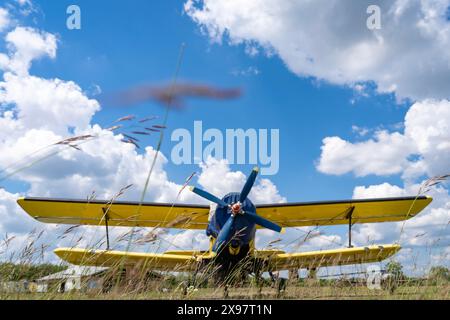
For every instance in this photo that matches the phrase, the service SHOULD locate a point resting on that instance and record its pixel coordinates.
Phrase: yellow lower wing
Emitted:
(188, 260)
(326, 258)
(109, 258)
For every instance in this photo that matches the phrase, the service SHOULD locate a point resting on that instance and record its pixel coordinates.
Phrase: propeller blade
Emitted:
(263, 222)
(248, 185)
(208, 196)
(224, 233)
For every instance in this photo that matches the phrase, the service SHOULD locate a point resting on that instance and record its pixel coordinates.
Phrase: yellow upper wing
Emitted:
(326, 258)
(119, 213)
(122, 213)
(336, 212)
(110, 258)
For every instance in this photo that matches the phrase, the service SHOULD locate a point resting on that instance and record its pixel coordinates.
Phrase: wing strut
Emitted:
(105, 215)
(349, 217)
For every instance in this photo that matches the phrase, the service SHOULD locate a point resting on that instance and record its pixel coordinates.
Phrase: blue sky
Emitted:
(123, 45)
(315, 80)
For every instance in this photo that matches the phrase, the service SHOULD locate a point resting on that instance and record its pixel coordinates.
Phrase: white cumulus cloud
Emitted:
(4, 19)
(329, 40)
(423, 147)
(25, 45)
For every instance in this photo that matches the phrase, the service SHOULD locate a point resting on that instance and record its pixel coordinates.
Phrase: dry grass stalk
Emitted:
(125, 118)
(147, 119)
(173, 95)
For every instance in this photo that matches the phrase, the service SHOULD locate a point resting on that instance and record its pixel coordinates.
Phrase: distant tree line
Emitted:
(17, 272)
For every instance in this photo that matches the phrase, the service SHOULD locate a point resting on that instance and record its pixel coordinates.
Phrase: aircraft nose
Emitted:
(235, 243)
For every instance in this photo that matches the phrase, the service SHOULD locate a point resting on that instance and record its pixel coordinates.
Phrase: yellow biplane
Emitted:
(231, 224)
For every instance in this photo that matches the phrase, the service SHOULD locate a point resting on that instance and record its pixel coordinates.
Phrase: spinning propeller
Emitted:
(236, 211)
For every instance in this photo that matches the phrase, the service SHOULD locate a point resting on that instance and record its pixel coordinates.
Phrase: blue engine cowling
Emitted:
(243, 230)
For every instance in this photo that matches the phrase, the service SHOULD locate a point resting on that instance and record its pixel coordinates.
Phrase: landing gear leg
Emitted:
(281, 287)
(272, 277)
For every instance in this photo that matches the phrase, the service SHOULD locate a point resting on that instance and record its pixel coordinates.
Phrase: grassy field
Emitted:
(292, 292)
